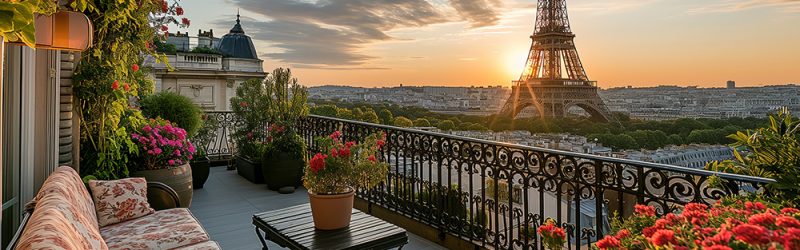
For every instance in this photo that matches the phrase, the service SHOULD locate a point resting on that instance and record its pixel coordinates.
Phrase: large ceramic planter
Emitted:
(250, 169)
(200, 170)
(331, 212)
(282, 170)
(178, 178)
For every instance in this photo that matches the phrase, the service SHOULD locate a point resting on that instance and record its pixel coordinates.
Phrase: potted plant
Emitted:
(250, 135)
(332, 177)
(284, 159)
(166, 152)
(285, 152)
(201, 164)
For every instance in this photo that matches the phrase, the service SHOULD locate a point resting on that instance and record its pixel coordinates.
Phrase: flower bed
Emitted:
(730, 224)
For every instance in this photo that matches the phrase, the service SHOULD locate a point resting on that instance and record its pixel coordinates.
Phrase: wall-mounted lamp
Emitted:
(64, 30)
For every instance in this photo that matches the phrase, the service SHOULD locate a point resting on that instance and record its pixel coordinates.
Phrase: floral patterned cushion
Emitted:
(165, 229)
(63, 217)
(120, 200)
(208, 245)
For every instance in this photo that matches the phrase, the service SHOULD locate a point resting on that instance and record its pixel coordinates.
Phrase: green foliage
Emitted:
(249, 106)
(166, 48)
(204, 136)
(402, 122)
(205, 50)
(122, 33)
(649, 139)
(386, 116)
(17, 19)
(325, 110)
(446, 125)
(175, 108)
(421, 122)
(616, 142)
(770, 152)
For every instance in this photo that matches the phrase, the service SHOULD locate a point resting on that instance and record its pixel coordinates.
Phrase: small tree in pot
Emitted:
(250, 135)
(202, 139)
(285, 154)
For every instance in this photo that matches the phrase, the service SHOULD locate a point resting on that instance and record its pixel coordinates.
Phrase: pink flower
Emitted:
(171, 162)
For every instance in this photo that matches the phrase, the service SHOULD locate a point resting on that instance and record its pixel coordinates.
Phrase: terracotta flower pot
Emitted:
(331, 211)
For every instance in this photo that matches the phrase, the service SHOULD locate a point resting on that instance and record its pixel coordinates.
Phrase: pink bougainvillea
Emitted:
(163, 145)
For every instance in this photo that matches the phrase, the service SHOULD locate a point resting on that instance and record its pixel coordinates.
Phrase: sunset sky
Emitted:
(485, 42)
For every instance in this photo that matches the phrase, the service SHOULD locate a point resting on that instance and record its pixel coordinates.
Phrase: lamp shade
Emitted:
(64, 30)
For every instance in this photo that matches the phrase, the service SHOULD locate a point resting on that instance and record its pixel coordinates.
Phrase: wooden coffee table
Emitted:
(293, 227)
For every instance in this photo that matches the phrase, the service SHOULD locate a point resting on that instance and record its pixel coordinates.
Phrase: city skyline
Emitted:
(485, 42)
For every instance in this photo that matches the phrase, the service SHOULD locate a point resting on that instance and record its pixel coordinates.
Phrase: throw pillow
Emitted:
(120, 200)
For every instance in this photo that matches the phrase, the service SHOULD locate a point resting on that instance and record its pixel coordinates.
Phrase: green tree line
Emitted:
(626, 133)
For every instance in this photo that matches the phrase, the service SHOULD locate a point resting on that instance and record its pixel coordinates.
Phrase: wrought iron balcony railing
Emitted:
(496, 194)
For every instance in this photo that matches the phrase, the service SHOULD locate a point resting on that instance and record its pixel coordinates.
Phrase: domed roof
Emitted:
(236, 44)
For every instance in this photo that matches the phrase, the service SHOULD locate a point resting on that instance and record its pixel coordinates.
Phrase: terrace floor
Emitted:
(226, 204)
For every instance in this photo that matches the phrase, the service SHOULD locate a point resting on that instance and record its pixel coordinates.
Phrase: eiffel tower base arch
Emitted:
(553, 101)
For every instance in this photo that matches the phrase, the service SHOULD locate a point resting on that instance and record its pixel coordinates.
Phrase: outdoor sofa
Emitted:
(63, 216)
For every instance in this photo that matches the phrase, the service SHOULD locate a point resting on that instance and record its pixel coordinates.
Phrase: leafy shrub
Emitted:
(286, 104)
(174, 108)
(250, 108)
(770, 152)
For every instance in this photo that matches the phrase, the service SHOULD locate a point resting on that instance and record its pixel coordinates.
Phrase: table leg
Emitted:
(261, 238)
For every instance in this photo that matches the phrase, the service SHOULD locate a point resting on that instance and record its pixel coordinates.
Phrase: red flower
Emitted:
(317, 163)
(179, 11)
(344, 152)
(349, 144)
(243, 104)
(663, 237)
(550, 230)
(164, 6)
(718, 247)
(334, 152)
(722, 238)
(185, 21)
(381, 143)
(126, 86)
(249, 135)
(792, 239)
(336, 134)
(115, 85)
(752, 234)
(644, 210)
(762, 219)
(372, 158)
(135, 67)
(790, 210)
(609, 242)
(754, 206)
(787, 222)
(164, 28)
(649, 231)
(623, 234)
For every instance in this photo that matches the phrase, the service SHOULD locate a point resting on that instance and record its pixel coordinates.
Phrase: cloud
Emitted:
(479, 13)
(740, 5)
(610, 6)
(334, 33)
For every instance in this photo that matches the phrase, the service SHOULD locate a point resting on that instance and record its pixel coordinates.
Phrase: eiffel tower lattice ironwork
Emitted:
(553, 80)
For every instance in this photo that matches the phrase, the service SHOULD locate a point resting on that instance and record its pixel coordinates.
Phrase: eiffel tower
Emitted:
(553, 80)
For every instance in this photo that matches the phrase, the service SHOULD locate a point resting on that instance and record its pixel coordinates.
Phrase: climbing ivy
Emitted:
(17, 19)
(108, 79)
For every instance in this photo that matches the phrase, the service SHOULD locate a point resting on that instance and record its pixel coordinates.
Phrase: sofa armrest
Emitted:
(160, 196)
(13, 243)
